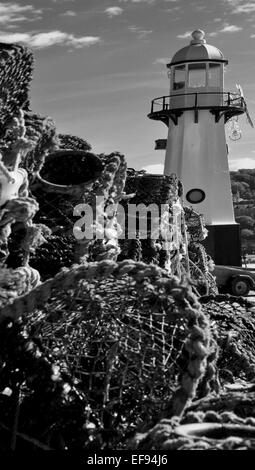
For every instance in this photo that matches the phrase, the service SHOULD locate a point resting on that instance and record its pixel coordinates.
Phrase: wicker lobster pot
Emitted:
(64, 179)
(57, 202)
(163, 192)
(217, 436)
(149, 188)
(133, 339)
(215, 430)
(63, 182)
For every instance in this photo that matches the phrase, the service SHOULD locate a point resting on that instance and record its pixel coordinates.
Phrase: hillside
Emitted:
(243, 190)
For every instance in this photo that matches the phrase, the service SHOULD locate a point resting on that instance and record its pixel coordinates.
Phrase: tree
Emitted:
(240, 187)
(245, 221)
(244, 176)
(247, 234)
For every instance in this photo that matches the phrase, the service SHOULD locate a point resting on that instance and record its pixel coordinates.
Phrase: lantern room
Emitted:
(196, 74)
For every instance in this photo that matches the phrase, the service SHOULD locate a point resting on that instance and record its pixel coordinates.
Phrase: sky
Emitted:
(99, 63)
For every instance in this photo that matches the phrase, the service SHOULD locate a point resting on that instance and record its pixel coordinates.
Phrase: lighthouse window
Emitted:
(214, 75)
(179, 77)
(195, 196)
(197, 75)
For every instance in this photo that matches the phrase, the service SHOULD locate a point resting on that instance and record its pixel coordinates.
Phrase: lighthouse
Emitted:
(195, 112)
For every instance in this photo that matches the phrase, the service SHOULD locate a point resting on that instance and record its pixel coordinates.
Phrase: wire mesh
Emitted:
(233, 322)
(129, 337)
(114, 341)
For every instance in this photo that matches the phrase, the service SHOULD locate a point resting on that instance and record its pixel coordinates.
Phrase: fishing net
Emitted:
(237, 405)
(200, 263)
(232, 325)
(15, 77)
(57, 203)
(131, 339)
(224, 434)
(161, 196)
(41, 132)
(68, 141)
(232, 320)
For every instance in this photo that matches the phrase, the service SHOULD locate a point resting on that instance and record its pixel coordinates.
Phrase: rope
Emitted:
(109, 187)
(197, 342)
(163, 436)
(5, 172)
(27, 438)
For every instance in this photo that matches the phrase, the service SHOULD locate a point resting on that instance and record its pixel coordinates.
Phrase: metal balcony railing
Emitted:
(196, 100)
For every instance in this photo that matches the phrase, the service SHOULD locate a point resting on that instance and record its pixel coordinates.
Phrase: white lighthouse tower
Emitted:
(196, 112)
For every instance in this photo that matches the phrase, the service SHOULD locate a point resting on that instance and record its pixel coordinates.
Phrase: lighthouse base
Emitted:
(223, 244)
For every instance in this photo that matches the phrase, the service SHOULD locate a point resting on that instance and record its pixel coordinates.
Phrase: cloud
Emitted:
(113, 11)
(245, 8)
(137, 1)
(227, 28)
(145, 1)
(155, 169)
(14, 37)
(14, 12)
(83, 41)
(69, 13)
(230, 28)
(151, 2)
(162, 60)
(184, 35)
(246, 162)
(240, 6)
(48, 39)
(172, 10)
(142, 33)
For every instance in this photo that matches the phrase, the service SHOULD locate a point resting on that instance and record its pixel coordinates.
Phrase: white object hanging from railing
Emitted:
(235, 131)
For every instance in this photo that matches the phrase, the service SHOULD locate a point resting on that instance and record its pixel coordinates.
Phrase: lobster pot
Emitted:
(154, 222)
(96, 184)
(132, 339)
(234, 327)
(63, 182)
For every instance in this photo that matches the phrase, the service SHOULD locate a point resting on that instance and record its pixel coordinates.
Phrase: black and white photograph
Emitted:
(127, 230)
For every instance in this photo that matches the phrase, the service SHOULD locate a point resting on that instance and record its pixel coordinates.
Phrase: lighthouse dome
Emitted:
(198, 50)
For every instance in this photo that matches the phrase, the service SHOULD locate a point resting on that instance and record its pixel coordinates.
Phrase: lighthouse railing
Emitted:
(197, 100)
